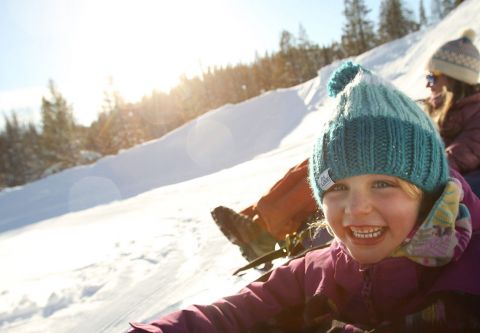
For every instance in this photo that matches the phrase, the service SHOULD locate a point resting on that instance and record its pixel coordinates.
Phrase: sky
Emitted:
(135, 46)
(130, 237)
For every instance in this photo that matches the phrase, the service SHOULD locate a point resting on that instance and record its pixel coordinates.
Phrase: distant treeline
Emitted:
(29, 152)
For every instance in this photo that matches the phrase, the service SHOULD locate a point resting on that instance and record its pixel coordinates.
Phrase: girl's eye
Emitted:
(337, 187)
(382, 184)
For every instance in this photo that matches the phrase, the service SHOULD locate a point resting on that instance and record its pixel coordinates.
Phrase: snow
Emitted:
(130, 237)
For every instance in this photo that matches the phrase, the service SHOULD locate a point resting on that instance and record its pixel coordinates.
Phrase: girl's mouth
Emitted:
(367, 232)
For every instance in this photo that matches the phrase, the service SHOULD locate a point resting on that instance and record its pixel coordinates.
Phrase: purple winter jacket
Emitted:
(469, 199)
(461, 133)
(395, 287)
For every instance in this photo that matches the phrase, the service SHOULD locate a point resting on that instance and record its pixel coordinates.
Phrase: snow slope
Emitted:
(130, 237)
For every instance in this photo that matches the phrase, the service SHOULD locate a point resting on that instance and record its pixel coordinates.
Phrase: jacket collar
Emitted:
(388, 286)
(444, 234)
(472, 99)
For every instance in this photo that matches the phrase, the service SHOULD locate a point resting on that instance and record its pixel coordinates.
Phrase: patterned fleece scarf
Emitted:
(444, 234)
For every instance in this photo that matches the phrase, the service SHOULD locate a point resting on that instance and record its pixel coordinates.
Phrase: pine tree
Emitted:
(307, 59)
(14, 157)
(59, 144)
(131, 132)
(423, 21)
(3, 158)
(358, 35)
(113, 134)
(285, 71)
(395, 20)
(20, 161)
(447, 7)
(31, 142)
(262, 72)
(436, 10)
(302, 38)
(100, 135)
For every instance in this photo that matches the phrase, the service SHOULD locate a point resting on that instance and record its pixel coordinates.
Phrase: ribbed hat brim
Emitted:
(456, 71)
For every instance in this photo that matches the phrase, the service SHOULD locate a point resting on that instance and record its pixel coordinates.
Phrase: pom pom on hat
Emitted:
(375, 129)
(458, 59)
(342, 77)
(469, 34)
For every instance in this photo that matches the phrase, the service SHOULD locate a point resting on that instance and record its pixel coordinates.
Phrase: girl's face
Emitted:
(370, 214)
(437, 84)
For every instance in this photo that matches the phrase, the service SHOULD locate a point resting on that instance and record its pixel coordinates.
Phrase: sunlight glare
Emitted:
(147, 45)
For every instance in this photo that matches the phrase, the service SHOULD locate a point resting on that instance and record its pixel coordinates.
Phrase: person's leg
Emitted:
(285, 208)
(249, 211)
(253, 240)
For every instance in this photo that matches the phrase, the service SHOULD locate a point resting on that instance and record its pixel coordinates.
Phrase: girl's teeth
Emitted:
(366, 232)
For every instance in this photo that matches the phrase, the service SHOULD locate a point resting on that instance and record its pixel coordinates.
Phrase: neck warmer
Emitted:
(444, 234)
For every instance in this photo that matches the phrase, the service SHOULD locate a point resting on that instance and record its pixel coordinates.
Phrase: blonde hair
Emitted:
(413, 191)
(452, 92)
(439, 114)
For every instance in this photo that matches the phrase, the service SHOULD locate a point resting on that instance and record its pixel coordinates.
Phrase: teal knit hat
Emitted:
(375, 129)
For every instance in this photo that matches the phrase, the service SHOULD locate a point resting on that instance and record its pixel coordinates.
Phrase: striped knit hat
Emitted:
(458, 59)
(375, 129)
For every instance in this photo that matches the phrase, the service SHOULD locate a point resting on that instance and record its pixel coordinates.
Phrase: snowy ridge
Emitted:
(131, 237)
(219, 139)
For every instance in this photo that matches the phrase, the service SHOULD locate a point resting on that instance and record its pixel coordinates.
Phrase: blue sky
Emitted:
(141, 44)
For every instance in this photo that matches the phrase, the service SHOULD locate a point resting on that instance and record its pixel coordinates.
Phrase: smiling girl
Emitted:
(371, 214)
(405, 252)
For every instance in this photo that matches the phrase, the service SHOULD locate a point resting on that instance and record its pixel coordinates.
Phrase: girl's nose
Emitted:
(358, 203)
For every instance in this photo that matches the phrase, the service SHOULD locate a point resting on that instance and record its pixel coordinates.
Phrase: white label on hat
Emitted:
(325, 182)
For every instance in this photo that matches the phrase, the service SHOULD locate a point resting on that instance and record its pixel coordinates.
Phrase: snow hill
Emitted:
(130, 237)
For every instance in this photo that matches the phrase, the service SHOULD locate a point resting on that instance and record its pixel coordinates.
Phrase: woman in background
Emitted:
(454, 104)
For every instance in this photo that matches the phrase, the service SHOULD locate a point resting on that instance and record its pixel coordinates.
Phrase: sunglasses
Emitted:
(431, 79)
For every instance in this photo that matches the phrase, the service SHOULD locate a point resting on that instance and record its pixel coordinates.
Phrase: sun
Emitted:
(142, 45)
(147, 45)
